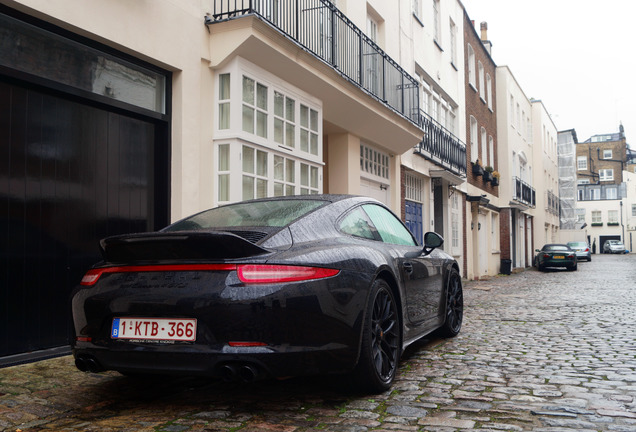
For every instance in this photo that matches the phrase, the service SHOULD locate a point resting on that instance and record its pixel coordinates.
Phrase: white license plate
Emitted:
(179, 329)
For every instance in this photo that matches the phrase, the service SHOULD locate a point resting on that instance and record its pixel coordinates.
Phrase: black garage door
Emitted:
(70, 174)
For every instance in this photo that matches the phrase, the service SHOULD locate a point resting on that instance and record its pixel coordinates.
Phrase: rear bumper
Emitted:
(229, 363)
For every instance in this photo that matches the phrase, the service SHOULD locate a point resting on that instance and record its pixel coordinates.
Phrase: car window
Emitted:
(358, 224)
(579, 244)
(556, 248)
(249, 214)
(389, 227)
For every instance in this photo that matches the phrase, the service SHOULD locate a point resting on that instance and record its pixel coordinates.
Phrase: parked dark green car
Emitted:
(556, 255)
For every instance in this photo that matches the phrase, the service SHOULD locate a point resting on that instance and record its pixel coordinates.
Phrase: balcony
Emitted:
(523, 192)
(441, 147)
(552, 203)
(324, 31)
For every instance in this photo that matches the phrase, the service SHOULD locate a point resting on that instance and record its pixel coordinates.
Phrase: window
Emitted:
(482, 85)
(371, 60)
(606, 175)
(484, 148)
(284, 120)
(390, 228)
(583, 181)
(491, 151)
(437, 22)
(471, 67)
(596, 216)
(374, 162)
(581, 163)
(633, 210)
(580, 195)
(254, 107)
(595, 193)
(453, 43)
(611, 193)
(308, 130)
(254, 173)
(224, 172)
(413, 188)
(474, 150)
(455, 222)
(358, 224)
(489, 91)
(284, 176)
(224, 101)
(417, 9)
(612, 216)
(308, 179)
(580, 217)
(607, 154)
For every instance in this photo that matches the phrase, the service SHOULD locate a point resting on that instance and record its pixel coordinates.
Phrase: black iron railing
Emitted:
(523, 192)
(322, 29)
(441, 146)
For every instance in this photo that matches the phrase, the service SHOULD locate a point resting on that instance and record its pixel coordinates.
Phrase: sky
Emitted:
(577, 56)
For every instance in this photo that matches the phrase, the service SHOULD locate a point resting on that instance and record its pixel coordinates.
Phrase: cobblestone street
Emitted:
(553, 351)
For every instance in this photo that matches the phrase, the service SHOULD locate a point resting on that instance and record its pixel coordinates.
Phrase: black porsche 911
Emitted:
(274, 287)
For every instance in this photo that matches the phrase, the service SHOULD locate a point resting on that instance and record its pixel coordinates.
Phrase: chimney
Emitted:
(484, 30)
(484, 37)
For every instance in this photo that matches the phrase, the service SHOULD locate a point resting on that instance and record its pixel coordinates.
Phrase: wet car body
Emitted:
(556, 255)
(582, 250)
(221, 289)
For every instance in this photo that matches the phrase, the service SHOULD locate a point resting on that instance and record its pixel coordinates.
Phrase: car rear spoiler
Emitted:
(182, 245)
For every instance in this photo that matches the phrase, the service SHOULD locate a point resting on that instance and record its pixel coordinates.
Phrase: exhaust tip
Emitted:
(248, 373)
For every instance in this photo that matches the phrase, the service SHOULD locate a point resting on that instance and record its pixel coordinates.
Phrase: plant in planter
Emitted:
(488, 173)
(495, 178)
(477, 168)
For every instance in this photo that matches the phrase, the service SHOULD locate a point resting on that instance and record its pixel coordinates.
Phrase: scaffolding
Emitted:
(567, 179)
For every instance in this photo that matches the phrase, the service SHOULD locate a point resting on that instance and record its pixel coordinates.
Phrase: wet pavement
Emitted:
(544, 352)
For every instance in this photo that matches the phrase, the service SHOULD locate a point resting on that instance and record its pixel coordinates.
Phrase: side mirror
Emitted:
(537, 250)
(432, 240)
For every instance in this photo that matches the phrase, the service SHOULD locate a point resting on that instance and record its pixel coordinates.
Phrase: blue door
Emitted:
(414, 219)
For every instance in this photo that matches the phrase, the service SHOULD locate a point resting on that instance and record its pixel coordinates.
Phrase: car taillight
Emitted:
(268, 273)
(571, 256)
(546, 256)
(587, 249)
(92, 276)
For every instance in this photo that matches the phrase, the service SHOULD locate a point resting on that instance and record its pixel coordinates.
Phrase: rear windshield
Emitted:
(556, 248)
(248, 214)
(579, 244)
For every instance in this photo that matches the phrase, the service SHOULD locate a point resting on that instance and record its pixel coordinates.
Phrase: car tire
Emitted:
(381, 345)
(540, 267)
(454, 306)
(589, 259)
(573, 268)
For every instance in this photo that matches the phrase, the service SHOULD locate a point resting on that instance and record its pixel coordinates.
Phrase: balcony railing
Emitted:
(320, 28)
(523, 192)
(441, 146)
(552, 203)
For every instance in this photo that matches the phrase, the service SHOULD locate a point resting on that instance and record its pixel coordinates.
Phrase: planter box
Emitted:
(487, 176)
(494, 181)
(478, 170)
(597, 223)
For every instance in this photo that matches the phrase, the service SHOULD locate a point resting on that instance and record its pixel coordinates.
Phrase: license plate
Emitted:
(170, 329)
(559, 257)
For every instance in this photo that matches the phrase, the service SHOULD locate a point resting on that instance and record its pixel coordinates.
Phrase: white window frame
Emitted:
(606, 174)
(612, 216)
(455, 224)
(474, 144)
(597, 216)
(607, 153)
(374, 164)
(484, 148)
(581, 163)
(453, 43)
(472, 78)
(489, 92)
(611, 193)
(595, 193)
(491, 151)
(413, 187)
(437, 22)
(482, 81)
(229, 142)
